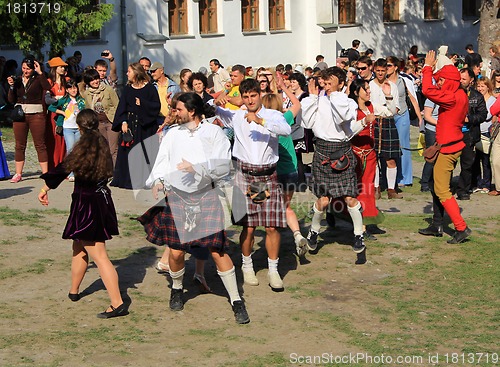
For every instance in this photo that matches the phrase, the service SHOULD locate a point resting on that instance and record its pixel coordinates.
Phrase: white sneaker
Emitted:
(301, 246)
(275, 281)
(249, 277)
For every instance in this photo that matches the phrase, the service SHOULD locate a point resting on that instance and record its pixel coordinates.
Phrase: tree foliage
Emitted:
(33, 27)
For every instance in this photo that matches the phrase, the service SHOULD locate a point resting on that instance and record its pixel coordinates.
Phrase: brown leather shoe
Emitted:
(378, 195)
(392, 194)
(494, 193)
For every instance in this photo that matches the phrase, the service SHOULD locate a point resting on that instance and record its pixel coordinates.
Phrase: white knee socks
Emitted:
(229, 280)
(357, 218)
(316, 219)
(177, 277)
(391, 177)
(272, 265)
(247, 262)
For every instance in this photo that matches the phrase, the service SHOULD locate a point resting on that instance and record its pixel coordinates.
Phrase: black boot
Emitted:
(432, 230)
(460, 236)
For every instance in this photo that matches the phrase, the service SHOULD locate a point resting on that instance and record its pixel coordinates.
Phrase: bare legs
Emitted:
(109, 276)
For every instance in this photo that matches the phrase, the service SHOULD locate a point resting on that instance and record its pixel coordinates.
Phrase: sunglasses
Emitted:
(362, 68)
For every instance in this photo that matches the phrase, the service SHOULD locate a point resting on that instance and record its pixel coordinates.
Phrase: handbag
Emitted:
(59, 130)
(127, 139)
(431, 153)
(17, 114)
(339, 161)
(258, 192)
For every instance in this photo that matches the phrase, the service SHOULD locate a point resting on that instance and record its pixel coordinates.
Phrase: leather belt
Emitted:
(266, 172)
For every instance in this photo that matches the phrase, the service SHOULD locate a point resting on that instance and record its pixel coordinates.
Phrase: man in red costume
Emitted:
(454, 104)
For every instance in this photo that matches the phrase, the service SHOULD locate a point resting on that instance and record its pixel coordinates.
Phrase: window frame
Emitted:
(247, 6)
(391, 8)
(176, 27)
(343, 9)
(95, 35)
(432, 9)
(204, 8)
(467, 6)
(277, 15)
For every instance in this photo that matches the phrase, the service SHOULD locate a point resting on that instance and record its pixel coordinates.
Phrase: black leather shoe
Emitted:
(115, 312)
(240, 313)
(432, 230)
(176, 302)
(369, 237)
(74, 296)
(358, 245)
(463, 197)
(374, 229)
(460, 236)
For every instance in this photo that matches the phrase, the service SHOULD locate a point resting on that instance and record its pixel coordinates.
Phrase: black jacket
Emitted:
(477, 114)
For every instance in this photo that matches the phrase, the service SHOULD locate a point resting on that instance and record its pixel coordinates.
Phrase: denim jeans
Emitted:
(405, 169)
(430, 139)
(71, 136)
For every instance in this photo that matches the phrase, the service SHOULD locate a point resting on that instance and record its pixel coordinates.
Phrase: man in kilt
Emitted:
(193, 156)
(386, 134)
(334, 163)
(257, 196)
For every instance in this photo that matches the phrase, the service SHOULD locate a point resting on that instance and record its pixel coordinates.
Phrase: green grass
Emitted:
(15, 217)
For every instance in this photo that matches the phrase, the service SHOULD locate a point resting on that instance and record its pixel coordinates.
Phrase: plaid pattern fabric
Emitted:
(387, 139)
(270, 213)
(328, 182)
(165, 225)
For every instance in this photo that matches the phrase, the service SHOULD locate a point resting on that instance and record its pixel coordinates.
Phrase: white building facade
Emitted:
(188, 33)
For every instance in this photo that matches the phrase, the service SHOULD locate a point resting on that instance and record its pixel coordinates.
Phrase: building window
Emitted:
(208, 16)
(91, 6)
(470, 8)
(347, 11)
(431, 9)
(276, 15)
(391, 10)
(177, 17)
(250, 15)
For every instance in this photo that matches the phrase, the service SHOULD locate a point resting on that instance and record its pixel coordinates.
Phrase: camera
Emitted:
(104, 54)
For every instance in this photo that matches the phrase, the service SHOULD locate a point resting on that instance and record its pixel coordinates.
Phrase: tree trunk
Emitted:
(489, 31)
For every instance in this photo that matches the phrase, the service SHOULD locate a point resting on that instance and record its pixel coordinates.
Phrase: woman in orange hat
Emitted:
(56, 149)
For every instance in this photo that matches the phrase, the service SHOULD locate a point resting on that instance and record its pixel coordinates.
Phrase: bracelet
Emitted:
(124, 122)
(43, 190)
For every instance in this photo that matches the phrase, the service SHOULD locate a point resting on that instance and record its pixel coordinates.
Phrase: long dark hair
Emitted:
(194, 103)
(355, 87)
(90, 158)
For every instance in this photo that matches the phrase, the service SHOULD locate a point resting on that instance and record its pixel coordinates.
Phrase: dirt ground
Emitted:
(39, 326)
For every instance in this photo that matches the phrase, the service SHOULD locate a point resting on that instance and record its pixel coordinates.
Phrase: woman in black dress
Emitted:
(92, 219)
(137, 113)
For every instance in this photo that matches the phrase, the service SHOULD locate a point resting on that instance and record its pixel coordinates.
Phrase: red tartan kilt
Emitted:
(164, 225)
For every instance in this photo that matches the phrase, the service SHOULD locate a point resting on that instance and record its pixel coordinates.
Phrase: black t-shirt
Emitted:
(352, 55)
(473, 59)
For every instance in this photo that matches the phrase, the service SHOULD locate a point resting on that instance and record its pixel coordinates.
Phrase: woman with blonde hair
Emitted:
(482, 161)
(136, 117)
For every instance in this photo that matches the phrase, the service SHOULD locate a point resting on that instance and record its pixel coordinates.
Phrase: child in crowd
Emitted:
(67, 108)
(92, 218)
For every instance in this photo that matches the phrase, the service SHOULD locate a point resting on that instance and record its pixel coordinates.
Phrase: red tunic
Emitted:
(453, 107)
(56, 147)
